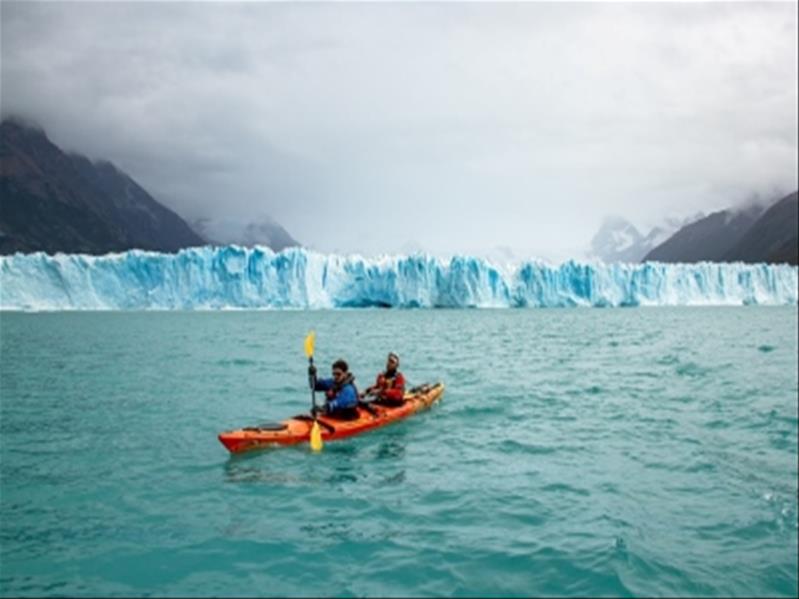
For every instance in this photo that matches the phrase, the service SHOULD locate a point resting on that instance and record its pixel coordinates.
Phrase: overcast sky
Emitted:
(449, 127)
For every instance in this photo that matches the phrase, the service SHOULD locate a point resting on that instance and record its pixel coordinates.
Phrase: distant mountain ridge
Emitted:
(58, 202)
(618, 240)
(709, 238)
(260, 231)
(774, 237)
(54, 201)
(751, 234)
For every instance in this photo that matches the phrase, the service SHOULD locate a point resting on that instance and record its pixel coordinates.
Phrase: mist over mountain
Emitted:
(63, 202)
(54, 201)
(774, 237)
(247, 108)
(709, 238)
(618, 240)
(58, 202)
(752, 232)
(260, 231)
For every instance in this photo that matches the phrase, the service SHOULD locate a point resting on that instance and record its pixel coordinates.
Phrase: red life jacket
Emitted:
(391, 387)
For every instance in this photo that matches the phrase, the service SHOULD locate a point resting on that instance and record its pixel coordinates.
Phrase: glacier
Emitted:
(234, 277)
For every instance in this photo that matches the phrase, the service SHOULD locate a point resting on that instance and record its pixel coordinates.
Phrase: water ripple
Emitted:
(576, 453)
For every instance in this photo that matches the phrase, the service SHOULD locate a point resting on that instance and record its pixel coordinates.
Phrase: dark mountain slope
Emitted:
(709, 238)
(774, 237)
(57, 202)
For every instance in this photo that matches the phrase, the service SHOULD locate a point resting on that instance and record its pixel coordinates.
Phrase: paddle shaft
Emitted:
(312, 383)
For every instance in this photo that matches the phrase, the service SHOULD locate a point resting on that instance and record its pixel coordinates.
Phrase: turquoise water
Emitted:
(576, 452)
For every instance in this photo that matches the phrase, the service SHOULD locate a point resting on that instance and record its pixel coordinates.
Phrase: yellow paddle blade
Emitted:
(309, 343)
(316, 437)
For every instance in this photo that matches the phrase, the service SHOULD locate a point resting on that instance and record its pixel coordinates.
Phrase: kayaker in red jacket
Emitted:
(390, 385)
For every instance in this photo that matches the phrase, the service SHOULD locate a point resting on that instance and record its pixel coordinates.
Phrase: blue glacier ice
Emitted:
(234, 277)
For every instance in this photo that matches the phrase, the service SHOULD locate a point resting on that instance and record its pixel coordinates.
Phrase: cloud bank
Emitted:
(449, 127)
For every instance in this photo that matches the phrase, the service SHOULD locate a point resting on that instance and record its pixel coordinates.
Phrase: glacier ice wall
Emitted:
(235, 277)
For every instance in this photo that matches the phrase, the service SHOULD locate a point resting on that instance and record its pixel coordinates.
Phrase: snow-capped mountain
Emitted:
(259, 231)
(618, 240)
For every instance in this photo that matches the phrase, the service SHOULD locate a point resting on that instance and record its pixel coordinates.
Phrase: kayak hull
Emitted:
(298, 429)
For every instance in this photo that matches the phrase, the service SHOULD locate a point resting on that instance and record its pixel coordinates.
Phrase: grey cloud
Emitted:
(450, 126)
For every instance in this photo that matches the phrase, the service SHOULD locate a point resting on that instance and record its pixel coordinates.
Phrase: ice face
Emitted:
(236, 277)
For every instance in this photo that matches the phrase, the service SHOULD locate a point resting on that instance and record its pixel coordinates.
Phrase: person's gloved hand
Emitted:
(312, 370)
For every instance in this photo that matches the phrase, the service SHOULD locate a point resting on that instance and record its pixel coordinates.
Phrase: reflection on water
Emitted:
(238, 472)
(345, 461)
(342, 463)
(391, 449)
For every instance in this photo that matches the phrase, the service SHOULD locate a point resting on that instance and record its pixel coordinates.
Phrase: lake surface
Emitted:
(641, 451)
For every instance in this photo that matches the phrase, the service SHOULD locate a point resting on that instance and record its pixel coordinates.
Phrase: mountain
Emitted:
(618, 240)
(262, 231)
(58, 202)
(774, 237)
(709, 238)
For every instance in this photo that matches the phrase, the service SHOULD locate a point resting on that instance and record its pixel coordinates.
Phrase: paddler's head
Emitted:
(340, 369)
(392, 362)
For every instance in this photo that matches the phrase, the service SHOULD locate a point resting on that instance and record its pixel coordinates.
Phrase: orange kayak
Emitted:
(298, 429)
